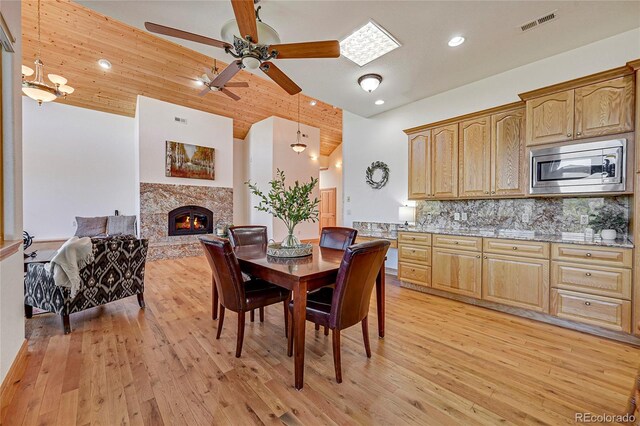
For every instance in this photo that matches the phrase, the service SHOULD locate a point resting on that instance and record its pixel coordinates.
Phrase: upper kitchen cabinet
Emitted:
(604, 108)
(444, 168)
(595, 105)
(475, 157)
(550, 118)
(508, 163)
(420, 165)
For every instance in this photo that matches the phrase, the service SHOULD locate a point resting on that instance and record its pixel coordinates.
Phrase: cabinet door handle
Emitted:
(578, 134)
(493, 192)
(587, 303)
(588, 274)
(569, 134)
(456, 242)
(485, 257)
(486, 192)
(588, 254)
(515, 248)
(478, 256)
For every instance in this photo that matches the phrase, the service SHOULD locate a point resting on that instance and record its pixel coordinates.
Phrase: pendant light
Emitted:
(37, 89)
(298, 146)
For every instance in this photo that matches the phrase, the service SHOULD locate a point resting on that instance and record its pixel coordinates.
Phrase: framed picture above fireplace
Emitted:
(190, 161)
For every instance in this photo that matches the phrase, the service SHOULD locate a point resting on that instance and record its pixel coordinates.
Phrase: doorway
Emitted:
(327, 207)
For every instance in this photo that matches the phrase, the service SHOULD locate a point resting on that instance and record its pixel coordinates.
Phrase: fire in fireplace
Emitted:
(190, 220)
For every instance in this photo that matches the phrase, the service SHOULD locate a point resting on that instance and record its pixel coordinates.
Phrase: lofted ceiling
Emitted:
(424, 65)
(75, 37)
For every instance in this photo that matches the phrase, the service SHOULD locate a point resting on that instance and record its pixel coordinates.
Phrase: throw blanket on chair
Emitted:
(65, 266)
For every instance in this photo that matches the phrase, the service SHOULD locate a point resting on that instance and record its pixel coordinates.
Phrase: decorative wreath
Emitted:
(377, 165)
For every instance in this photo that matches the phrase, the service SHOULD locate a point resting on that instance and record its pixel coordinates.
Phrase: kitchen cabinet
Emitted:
(550, 118)
(607, 256)
(604, 108)
(444, 168)
(457, 271)
(602, 311)
(508, 162)
(457, 242)
(517, 281)
(414, 258)
(420, 165)
(475, 157)
(592, 279)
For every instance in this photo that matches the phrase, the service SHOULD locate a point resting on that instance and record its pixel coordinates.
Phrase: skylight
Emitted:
(367, 43)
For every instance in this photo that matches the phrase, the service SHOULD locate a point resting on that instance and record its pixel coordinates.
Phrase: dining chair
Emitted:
(236, 294)
(249, 235)
(337, 237)
(348, 303)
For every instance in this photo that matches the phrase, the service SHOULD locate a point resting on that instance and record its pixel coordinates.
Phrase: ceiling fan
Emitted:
(257, 45)
(210, 80)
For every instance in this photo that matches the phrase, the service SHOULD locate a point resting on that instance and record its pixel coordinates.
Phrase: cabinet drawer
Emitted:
(600, 280)
(608, 256)
(413, 254)
(420, 275)
(414, 238)
(457, 242)
(596, 310)
(517, 248)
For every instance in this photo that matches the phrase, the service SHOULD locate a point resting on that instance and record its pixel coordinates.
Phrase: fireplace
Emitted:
(190, 220)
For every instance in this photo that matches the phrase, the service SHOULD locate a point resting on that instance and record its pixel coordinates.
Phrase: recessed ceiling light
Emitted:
(367, 43)
(379, 102)
(456, 41)
(104, 64)
(313, 102)
(370, 82)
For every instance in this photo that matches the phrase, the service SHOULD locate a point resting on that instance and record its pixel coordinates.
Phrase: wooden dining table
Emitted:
(300, 275)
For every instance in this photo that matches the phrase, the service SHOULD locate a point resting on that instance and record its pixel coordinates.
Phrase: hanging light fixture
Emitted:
(37, 89)
(298, 146)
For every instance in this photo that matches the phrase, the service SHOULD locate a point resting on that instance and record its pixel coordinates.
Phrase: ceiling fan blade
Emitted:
(173, 32)
(230, 94)
(204, 91)
(227, 74)
(312, 49)
(246, 18)
(208, 72)
(188, 78)
(237, 84)
(281, 79)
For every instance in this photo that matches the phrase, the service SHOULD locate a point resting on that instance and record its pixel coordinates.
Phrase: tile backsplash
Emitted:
(543, 215)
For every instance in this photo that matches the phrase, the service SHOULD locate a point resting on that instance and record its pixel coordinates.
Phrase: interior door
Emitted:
(327, 207)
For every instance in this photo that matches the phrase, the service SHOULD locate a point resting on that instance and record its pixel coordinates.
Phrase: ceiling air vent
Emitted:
(539, 21)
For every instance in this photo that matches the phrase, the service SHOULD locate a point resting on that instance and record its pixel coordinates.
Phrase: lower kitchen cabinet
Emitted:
(516, 281)
(597, 310)
(416, 274)
(457, 271)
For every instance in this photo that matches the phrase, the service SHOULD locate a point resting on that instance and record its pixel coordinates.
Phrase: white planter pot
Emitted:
(608, 234)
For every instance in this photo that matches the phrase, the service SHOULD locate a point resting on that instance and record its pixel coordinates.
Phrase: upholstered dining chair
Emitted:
(248, 235)
(235, 293)
(337, 238)
(348, 303)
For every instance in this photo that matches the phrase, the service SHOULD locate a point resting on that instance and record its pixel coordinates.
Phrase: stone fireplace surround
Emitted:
(157, 200)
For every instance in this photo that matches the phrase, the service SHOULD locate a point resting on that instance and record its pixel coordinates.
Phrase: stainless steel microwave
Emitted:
(580, 168)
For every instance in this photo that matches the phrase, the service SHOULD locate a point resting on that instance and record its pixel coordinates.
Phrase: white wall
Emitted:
(269, 149)
(240, 160)
(11, 278)
(77, 162)
(332, 178)
(380, 138)
(301, 167)
(156, 125)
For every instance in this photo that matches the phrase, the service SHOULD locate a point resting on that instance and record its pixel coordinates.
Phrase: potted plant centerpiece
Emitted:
(293, 205)
(608, 220)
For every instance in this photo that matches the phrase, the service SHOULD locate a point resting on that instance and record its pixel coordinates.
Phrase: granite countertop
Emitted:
(565, 237)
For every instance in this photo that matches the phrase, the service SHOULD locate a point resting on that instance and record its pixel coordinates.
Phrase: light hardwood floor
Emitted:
(441, 362)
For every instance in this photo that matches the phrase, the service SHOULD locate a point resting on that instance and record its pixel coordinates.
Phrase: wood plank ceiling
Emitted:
(74, 38)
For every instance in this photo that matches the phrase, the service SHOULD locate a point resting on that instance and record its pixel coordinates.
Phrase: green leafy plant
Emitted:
(608, 217)
(292, 204)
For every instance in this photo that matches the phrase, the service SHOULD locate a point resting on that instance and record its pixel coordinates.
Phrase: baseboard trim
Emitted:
(14, 375)
(525, 313)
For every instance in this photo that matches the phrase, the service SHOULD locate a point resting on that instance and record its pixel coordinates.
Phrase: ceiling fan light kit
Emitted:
(253, 44)
(370, 82)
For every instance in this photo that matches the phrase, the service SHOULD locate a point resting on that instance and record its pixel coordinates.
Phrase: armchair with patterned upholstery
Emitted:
(116, 272)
